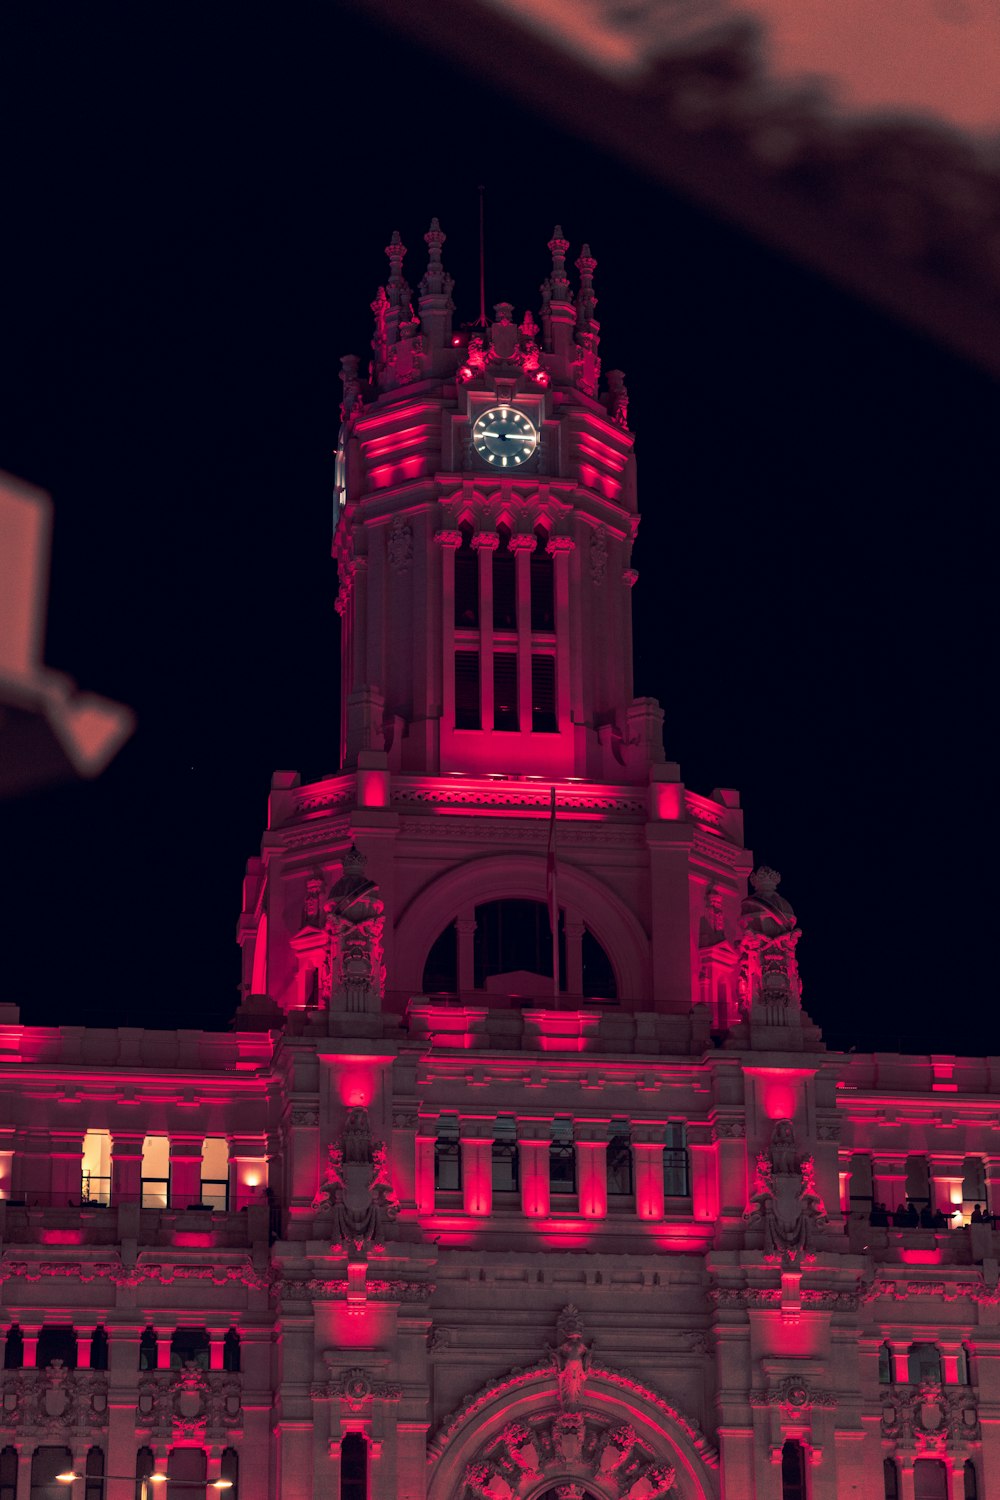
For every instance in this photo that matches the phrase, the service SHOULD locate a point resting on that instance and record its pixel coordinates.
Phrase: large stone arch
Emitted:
(514, 877)
(513, 1440)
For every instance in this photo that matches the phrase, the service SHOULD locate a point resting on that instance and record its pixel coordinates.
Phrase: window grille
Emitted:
(467, 704)
(156, 1192)
(466, 584)
(621, 1182)
(676, 1167)
(504, 584)
(543, 695)
(505, 709)
(562, 1160)
(542, 586)
(353, 1467)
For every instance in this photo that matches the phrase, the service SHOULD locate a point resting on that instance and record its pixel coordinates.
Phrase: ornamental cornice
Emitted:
(329, 831)
(507, 794)
(164, 1274)
(945, 1291)
(484, 832)
(336, 1288)
(816, 1299)
(715, 850)
(485, 540)
(448, 538)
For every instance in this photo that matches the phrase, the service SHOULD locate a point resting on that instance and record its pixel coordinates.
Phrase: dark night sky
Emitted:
(196, 205)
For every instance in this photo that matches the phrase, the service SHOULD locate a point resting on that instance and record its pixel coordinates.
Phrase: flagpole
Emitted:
(550, 880)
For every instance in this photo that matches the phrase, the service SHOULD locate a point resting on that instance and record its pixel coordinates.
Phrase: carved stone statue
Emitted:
(571, 1357)
(355, 920)
(785, 1200)
(357, 1186)
(769, 973)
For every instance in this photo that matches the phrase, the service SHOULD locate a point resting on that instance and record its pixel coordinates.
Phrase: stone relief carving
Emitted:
(795, 1395)
(354, 970)
(582, 1442)
(785, 1200)
(571, 1357)
(358, 1188)
(190, 1403)
(930, 1416)
(769, 973)
(598, 555)
(356, 1388)
(54, 1400)
(399, 545)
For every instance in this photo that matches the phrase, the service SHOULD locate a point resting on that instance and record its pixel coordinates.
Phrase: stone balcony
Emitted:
(97, 1225)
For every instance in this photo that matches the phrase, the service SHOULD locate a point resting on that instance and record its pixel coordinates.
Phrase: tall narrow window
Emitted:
(94, 1475)
(46, 1463)
(468, 714)
(353, 1467)
(99, 1349)
(441, 968)
(598, 973)
(924, 1363)
(148, 1347)
(95, 1184)
(793, 1471)
(187, 1471)
(190, 1346)
(890, 1479)
(447, 1156)
(215, 1174)
(676, 1171)
(506, 1177)
(144, 1466)
(974, 1182)
(505, 714)
(466, 583)
(542, 591)
(930, 1479)
(229, 1468)
(13, 1349)
(562, 1159)
(155, 1171)
(885, 1370)
(970, 1484)
(8, 1474)
(543, 694)
(620, 1180)
(504, 584)
(964, 1364)
(918, 1180)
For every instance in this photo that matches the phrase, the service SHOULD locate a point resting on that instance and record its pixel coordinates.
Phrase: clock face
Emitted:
(504, 437)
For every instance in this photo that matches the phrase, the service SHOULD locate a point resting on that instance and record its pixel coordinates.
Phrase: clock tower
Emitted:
(486, 516)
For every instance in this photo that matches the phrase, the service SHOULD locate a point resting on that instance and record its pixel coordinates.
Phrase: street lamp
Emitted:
(145, 1480)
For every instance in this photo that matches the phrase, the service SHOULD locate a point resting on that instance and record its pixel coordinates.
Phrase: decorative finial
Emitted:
(586, 265)
(616, 398)
(765, 880)
(434, 280)
(399, 292)
(558, 281)
(354, 861)
(349, 379)
(504, 312)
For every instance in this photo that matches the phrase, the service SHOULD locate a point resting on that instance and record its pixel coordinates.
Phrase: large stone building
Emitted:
(454, 1211)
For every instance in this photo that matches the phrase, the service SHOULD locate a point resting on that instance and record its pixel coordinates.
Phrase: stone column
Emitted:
(185, 1170)
(703, 1154)
(591, 1143)
(523, 545)
(486, 543)
(560, 548)
(126, 1167)
(476, 1144)
(889, 1179)
(647, 1154)
(123, 1382)
(30, 1337)
(465, 929)
(905, 1465)
(956, 1478)
(216, 1346)
(24, 1455)
(423, 1190)
(449, 542)
(247, 1160)
(67, 1166)
(533, 1165)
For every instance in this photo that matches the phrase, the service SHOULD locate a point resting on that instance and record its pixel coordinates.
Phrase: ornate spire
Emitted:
(557, 284)
(435, 279)
(397, 289)
(586, 301)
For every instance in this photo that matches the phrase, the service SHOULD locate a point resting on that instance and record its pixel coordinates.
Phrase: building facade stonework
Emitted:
(459, 1210)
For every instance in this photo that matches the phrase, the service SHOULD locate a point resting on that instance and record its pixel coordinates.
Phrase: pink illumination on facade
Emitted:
(432, 1221)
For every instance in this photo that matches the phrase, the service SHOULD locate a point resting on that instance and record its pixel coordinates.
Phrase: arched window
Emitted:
(148, 1351)
(970, 1483)
(93, 1488)
(56, 1341)
(621, 1182)
(99, 1349)
(46, 1463)
(598, 976)
(215, 1173)
(447, 1156)
(144, 1466)
(562, 1159)
(231, 1351)
(229, 1468)
(886, 1374)
(190, 1346)
(924, 1363)
(8, 1473)
(353, 1467)
(890, 1479)
(676, 1164)
(793, 1471)
(543, 610)
(466, 583)
(441, 968)
(506, 1163)
(930, 1480)
(514, 937)
(13, 1349)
